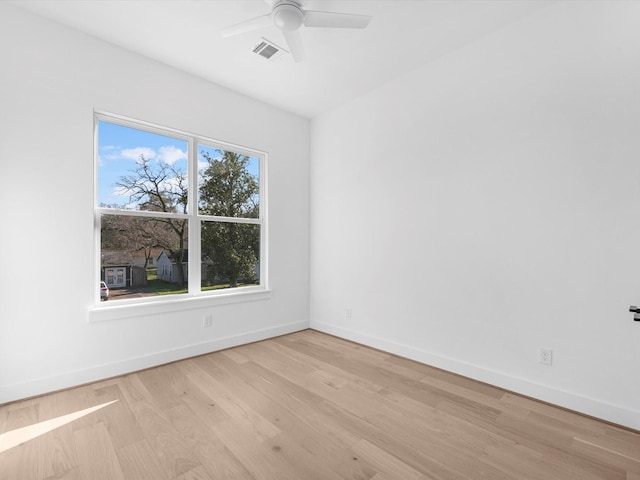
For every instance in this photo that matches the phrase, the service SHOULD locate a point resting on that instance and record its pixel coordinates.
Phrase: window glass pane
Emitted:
(229, 183)
(230, 255)
(143, 256)
(142, 174)
(139, 170)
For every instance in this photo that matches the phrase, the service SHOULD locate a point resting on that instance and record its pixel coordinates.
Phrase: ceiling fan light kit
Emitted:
(289, 16)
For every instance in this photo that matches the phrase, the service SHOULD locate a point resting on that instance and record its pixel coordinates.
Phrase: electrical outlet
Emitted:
(545, 356)
(207, 321)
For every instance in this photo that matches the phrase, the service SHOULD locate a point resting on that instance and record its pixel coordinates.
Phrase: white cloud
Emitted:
(107, 153)
(170, 154)
(135, 153)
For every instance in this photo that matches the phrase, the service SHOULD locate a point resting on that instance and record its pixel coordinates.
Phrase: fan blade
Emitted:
(271, 3)
(335, 20)
(294, 42)
(247, 26)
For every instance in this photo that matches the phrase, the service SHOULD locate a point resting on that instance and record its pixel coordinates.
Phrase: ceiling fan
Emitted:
(289, 16)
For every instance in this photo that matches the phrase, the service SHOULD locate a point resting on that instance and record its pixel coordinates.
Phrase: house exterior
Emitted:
(140, 257)
(168, 269)
(119, 271)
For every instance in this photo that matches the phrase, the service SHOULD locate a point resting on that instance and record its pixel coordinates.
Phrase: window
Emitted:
(178, 215)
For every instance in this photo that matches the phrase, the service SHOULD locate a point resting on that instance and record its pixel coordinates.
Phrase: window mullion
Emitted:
(194, 223)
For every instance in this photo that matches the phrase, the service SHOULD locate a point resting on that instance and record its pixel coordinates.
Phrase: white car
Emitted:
(104, 291)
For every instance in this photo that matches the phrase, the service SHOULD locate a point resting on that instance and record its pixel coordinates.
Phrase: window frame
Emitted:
(195, 297)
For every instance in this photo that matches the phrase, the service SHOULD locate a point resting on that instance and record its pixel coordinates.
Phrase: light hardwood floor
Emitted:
(309, 406)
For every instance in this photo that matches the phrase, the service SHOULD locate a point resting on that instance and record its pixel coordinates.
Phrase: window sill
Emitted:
(123, 309)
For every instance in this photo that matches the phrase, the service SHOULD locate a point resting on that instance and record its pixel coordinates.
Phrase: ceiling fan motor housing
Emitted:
(287, 15)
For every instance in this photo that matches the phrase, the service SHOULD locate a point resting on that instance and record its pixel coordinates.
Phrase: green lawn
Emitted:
(160, 287)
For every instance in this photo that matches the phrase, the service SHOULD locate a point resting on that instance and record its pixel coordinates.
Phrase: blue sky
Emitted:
(119, 150)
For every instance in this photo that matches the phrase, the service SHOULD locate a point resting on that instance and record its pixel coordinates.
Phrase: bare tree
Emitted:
(156, 186)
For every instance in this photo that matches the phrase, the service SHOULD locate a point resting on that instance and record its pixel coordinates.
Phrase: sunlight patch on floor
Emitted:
(15, 437)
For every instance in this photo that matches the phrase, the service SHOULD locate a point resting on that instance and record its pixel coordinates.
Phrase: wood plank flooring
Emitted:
(309, 406)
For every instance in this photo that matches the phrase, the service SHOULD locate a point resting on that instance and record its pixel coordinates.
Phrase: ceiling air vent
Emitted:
(269, 50)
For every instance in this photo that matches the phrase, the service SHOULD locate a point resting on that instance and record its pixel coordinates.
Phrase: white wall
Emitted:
(52, 78)
(468, 213)
(488, 204)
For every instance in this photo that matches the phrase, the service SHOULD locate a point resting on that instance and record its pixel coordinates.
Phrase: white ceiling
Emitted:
(340, 65)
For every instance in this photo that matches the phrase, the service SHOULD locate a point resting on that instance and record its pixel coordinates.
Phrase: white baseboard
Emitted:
(31, 388)
(589, 406)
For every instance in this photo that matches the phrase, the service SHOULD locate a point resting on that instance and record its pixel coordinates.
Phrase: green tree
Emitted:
(229, 189)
